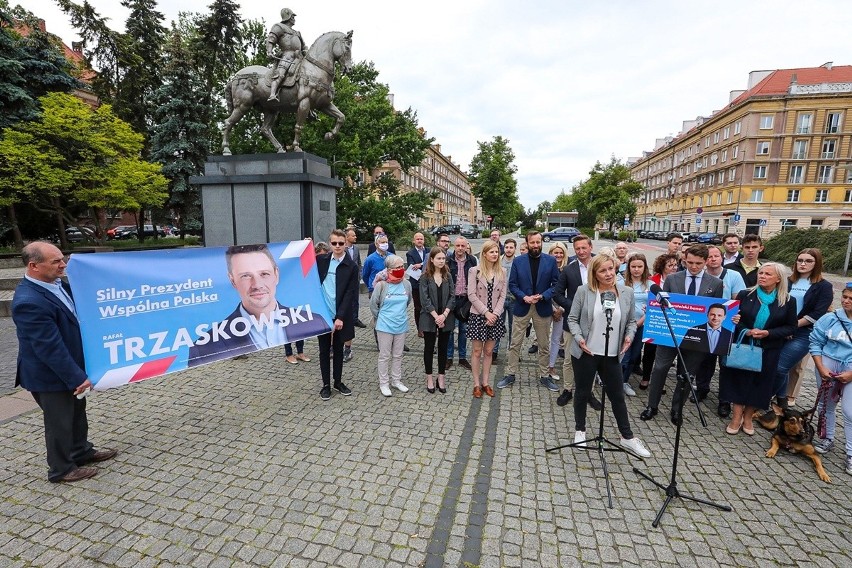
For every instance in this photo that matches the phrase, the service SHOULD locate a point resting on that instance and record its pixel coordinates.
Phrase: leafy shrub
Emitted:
(785, 246)
(627, 236)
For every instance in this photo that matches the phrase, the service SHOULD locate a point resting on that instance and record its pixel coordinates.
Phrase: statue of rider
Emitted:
(290, 46)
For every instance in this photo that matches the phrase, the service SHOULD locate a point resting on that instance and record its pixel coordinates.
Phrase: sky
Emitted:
(568, 83)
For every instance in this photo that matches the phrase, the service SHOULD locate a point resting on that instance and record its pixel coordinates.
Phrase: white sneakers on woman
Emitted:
(635, 446)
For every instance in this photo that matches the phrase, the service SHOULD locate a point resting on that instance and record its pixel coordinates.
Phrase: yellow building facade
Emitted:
(778, 156)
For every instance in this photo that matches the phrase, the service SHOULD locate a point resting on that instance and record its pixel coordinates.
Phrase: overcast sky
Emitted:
(568, 82)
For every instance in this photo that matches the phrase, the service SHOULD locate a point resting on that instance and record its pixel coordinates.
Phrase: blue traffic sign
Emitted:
(737, 217)
(762, 223)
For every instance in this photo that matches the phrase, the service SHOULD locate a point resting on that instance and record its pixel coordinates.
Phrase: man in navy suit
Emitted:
(532, 281)
(254, 274)
(51, 365)
(416, 257)
(710, 337)
(694, 281)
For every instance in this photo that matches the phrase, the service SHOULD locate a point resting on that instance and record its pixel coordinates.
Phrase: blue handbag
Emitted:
(745, 356)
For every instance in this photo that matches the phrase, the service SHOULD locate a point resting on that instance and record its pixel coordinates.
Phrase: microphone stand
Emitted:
(683, 379)
(597, 443)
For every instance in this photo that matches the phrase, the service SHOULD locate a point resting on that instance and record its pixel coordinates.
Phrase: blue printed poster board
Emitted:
(699, 323)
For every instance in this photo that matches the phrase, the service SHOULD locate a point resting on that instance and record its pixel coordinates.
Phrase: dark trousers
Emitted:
(648, 354)
(705, 371)
(66, 431)
(331, 343)
(300, 347)
(429, 338)
(415, 295)
(609, 370)
(666, 356)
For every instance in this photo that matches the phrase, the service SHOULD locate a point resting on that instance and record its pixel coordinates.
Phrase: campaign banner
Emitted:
(148, 313)
(699, 323)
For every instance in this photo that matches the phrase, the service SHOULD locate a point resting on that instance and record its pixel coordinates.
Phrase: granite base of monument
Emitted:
(263, 198)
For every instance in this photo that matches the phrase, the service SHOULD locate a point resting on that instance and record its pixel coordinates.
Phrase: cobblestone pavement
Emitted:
(240, 463)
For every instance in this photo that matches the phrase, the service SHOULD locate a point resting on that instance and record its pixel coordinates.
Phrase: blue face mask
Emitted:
(383, 246)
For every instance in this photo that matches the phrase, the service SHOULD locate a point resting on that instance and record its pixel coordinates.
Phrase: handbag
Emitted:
(463, 311)
(745, 356)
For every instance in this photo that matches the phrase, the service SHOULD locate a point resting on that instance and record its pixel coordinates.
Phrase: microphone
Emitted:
(661, 296)
(608, 301)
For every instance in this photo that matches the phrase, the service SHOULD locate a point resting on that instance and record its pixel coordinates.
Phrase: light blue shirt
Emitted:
(57, 290)
(640, 297)
(266, 332)
(732, 284)
(713, 337)
(393, 313)
(329, 286)
(798, 289)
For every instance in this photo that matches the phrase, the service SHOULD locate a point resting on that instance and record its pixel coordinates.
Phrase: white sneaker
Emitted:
(636, 446)
(554, 377)
(580, 438)
(400, 387)
(628, 390)
(385, 390)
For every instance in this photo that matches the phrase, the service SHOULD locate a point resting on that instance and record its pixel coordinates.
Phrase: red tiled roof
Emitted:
(76, 58)
(778, 81)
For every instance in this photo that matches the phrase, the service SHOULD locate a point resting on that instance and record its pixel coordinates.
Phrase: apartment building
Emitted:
(778, 156)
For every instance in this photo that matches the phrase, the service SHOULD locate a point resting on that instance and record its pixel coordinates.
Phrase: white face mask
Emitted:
(383, 246)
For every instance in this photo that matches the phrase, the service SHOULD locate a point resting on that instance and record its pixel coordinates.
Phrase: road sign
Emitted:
(737, 217)
(700, 210)
(489, 218)
(698, 220)
(762, 223)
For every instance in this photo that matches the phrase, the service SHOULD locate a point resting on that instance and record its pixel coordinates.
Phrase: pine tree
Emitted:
(16, 103)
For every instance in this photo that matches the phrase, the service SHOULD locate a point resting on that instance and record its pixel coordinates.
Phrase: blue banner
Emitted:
(148, 313)
(699, 323)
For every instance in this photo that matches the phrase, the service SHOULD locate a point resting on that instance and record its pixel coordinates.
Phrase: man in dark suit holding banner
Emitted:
(693, 281)
(51, 365)
(710, 337)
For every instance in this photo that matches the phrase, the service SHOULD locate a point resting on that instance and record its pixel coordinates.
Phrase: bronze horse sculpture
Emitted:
(312, 89)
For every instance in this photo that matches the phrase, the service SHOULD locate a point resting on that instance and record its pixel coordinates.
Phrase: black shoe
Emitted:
(405, 348)
(648, 413)
(359, 323)
(561, 353)
(676, 415)
(724, 409)
(595, 403)
(325, 392)
(533, 349)
(465, 365)
(702, 395)
(342, 389)
(564, 398)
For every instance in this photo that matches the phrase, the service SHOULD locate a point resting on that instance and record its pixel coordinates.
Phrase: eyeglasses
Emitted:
(337, 243)
(805, 260)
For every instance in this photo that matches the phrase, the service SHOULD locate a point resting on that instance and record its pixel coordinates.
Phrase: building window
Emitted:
(759, 172)
(730, 197)
(738, 127)
(800, 149)
(719, 198)
(848, 197)
(726, 133)
(832, 122)
(821, 196)
(711, 179)
(845, 225)
(735, 152)
(817, 223)
(763, 148)
(765, 121)
(716, 137)
(725, 155)
(732, 173)
(756, 196)
(797, 174)
(803, 123)
(714, 158)
(828, 148)
(793, 195)
(788, 224)
(826, 174)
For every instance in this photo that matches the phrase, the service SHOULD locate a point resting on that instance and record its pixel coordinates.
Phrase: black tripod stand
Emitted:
(683, 380)
(599, 441)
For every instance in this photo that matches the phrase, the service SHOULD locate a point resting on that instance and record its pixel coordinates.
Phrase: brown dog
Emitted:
(795, 434)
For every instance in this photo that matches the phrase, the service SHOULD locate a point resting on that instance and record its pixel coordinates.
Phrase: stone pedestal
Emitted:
(263, 198)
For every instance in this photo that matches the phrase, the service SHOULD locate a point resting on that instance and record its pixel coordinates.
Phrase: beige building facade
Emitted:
(778, 156)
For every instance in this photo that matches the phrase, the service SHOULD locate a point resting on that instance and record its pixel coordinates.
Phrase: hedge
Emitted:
(785, 246)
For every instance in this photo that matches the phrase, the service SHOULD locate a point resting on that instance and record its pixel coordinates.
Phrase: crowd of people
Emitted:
(588, 308)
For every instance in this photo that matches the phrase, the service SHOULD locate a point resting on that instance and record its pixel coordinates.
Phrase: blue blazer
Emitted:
(520, 284)
(50, 347)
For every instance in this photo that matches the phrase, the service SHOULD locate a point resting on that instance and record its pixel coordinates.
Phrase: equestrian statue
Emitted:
(299, 82)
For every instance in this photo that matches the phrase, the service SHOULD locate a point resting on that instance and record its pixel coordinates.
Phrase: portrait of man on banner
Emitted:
(260, 320)
(712, 336)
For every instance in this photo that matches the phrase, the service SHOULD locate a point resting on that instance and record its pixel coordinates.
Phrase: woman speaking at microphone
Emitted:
(588, 322)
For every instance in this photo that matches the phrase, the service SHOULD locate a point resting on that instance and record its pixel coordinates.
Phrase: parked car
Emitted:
(470, 231)
(115, 232)
(449, 229)
(79, 234)
(566, 234)
(709, 238)
(149, 231)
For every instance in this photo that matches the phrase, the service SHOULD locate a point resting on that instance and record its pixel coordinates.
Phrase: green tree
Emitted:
(606, 197)
(16, 102)
(492, 179)
(77, 158)
(178, 140)
(382, 203)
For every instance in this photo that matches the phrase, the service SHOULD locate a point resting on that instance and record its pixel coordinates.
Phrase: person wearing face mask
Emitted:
(389, 305)
(375, 262)
(377, 231)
